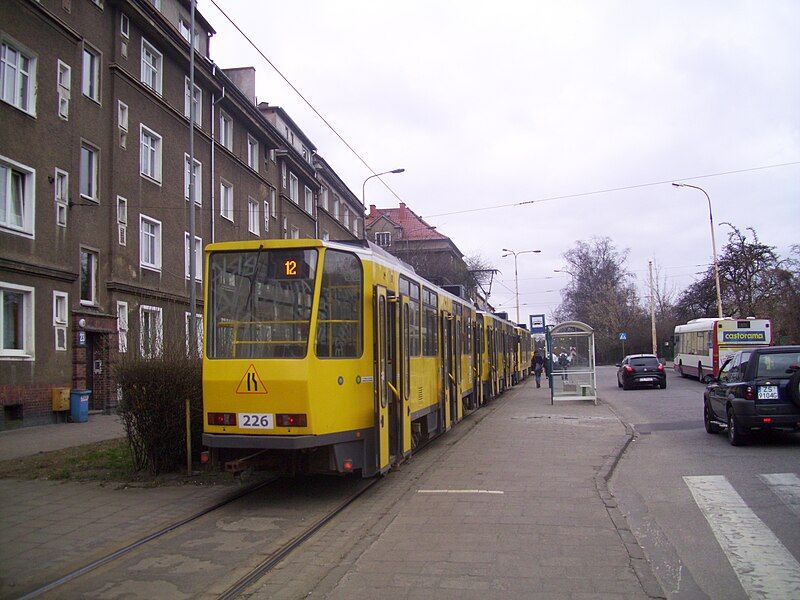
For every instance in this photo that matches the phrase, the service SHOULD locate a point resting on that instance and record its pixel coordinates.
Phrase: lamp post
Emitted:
(713, 243)
(516, 276)
(363, 185)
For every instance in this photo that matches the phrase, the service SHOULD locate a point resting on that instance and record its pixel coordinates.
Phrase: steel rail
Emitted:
(157, 534)
(274, 558)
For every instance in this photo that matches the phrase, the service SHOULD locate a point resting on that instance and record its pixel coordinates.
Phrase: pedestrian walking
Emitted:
(563, 363)
(538, 365)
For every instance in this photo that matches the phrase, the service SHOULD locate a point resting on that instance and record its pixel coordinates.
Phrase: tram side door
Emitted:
(447, 371)
(454, 378)
(402, 406)
(477, 360)
(382, 389)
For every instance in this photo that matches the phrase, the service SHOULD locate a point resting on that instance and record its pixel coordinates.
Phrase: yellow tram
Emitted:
(338, 357)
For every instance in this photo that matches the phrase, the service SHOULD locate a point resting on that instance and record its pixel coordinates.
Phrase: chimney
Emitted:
(244, 78)
(372, 210)
(402, 210)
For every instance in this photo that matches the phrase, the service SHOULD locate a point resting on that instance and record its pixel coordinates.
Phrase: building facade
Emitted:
(95, 188)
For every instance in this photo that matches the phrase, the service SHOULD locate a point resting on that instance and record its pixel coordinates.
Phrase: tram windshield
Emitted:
(260, 303)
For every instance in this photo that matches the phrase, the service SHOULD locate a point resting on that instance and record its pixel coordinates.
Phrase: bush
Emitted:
(153, 408)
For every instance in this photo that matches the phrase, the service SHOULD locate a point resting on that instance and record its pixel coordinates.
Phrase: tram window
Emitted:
(339, 318)
(258, 309)
(430, 323)
(414, 324)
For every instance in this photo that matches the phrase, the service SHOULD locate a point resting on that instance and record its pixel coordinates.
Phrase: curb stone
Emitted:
(638, 561)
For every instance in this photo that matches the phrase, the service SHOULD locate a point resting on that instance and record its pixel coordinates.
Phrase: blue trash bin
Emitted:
(79, 405)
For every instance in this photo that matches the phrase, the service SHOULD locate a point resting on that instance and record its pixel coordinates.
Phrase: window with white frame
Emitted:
(309, 200)
(122, 326)
(60, 318)
(16, 321)
(383, 238)
(252, 216)
(150, 154)
(285, 231)
(306, 154)
(122, 221)
(88, 276)
(346, 218)
(294, 188)
(295, 233)
(324, 198)
(90, 171)
(186, 31)
(355, 225)
(122, 123)
(63, 88)
(266, 217)
(225, 130)
(336, 207)
(198, 254)
(91, 73)
(272, 154)
(226, 200)
(18, 76)
(61, 186)
(198, 328)
(273, 203)
(124, 25)
(152, 66)
(198, 180)
(149, 243)
(17, 199)
(198, 101)
(283, 174)
(151, 331)
(252, 152)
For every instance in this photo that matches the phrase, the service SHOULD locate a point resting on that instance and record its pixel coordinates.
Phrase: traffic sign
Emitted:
(537, 323)
(623, 336)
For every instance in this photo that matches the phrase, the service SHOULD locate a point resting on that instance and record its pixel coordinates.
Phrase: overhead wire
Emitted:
(304, 99)
(608, 190)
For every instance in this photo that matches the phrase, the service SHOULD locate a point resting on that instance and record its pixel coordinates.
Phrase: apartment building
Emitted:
(94, 188)
(340, 213)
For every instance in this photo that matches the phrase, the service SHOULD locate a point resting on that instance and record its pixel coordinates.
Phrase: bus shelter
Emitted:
(572, 375)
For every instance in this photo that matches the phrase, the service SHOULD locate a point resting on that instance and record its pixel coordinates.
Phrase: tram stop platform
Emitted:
(512, 503)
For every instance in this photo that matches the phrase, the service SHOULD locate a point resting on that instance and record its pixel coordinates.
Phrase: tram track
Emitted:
(116, 554)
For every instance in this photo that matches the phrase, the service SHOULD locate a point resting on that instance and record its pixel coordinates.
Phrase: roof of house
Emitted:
(414, 227)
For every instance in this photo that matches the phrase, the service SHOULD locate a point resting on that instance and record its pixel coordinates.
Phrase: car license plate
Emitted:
(256, 420)
(768, 392)
(645, 379)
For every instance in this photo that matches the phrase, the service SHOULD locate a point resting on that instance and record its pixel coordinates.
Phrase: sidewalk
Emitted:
(44, 438)
(515, 508)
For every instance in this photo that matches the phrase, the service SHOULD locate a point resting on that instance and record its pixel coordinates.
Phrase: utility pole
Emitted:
(653, 311)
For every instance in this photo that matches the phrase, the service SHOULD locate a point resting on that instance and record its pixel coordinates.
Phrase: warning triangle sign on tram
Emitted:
(251, 383)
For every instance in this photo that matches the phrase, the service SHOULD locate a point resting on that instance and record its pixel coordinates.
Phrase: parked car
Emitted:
(641, 369)
(756, 389)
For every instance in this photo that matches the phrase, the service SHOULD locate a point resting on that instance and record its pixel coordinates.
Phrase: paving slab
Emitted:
(28, 441)
(509, 508)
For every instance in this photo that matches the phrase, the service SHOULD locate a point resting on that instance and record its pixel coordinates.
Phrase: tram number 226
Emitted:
(256, 421)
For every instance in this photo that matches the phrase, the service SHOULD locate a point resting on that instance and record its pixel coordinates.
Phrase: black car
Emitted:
(641, 369)
(756, 389)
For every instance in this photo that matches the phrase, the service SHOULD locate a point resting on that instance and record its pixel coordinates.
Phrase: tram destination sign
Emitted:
(744, 336)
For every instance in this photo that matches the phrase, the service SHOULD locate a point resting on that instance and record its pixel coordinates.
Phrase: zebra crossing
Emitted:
(764, 566)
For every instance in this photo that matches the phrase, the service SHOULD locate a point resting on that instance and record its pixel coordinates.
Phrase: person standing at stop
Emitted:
(538, 365)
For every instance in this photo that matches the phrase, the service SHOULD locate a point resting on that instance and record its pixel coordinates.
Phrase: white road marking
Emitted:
(460, 492)
(765, 568)
(786, 486)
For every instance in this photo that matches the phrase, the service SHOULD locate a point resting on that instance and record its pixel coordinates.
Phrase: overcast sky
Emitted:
(487, 104)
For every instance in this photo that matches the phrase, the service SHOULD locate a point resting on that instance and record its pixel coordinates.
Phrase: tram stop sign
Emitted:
(623, 336)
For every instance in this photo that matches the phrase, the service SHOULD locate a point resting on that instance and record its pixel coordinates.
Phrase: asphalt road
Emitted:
(716, 521)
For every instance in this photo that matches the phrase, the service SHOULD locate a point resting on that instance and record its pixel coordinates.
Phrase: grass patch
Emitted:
(108, 461)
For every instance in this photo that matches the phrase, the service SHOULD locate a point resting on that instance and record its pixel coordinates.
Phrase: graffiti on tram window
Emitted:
(256, 310)
(339, 317)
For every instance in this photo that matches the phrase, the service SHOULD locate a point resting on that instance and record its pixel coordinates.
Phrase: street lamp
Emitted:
(516, 277)
(363, 185)
(713, 243)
